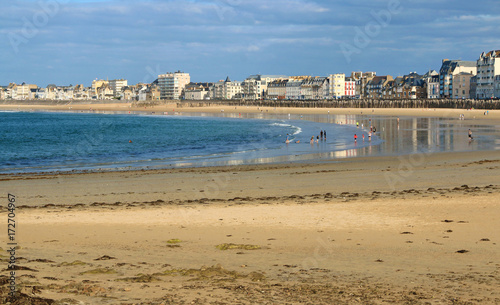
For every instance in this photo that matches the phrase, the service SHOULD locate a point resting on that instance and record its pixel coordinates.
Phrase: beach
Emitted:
(410, 229)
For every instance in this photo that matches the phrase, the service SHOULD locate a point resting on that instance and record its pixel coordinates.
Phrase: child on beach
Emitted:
(355, 137)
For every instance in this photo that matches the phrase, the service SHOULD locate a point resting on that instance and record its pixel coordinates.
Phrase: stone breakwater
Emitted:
(364, 103)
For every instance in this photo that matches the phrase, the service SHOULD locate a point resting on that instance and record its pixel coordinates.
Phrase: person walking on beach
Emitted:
(355, 137)
(363, 137)
(470, 135)
(312, 140)
(370, 136)
(324, 134)
(321, 134)
(317, 139)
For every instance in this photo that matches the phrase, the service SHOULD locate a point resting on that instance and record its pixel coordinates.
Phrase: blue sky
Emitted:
(73, 42)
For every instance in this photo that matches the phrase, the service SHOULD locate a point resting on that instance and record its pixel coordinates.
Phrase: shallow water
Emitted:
(40, 141)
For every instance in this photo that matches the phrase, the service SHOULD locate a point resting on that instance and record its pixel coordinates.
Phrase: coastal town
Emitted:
(456, 79)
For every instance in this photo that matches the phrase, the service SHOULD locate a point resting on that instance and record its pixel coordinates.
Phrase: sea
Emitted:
(40, 142)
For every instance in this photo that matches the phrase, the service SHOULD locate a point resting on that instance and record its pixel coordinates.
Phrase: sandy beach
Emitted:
(417, 229)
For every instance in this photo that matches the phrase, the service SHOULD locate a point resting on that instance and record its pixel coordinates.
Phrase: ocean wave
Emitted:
(297, 131)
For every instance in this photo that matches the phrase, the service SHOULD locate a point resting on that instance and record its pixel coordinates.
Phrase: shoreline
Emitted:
(477, 114)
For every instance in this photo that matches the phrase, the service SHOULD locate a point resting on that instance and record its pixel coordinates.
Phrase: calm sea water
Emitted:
(42, 141)
(39, 141)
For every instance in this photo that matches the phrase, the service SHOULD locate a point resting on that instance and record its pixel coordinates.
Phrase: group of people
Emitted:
(363, 136)
(322, 136)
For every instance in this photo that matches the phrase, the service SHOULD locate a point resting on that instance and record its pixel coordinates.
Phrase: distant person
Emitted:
(370, 136)
(470, 135)
(321, 134)
(324, 134)
(355, 137)
(374, 129)
(317, 139)
(363, 137)
(312, 140)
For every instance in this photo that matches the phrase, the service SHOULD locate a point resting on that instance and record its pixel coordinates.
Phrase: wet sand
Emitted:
(416, 229)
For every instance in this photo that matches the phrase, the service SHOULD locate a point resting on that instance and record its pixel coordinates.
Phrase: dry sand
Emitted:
(419, 229)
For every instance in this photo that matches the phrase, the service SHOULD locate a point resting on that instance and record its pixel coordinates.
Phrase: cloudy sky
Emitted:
(75, 41)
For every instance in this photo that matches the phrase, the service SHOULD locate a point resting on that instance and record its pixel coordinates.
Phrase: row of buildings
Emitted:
(456, 79)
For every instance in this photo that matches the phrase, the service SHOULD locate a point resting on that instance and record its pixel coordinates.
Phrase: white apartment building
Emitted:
(227, 90)
(431, 78)
(116, 85)
(488, 68)
(172, 84)
(337, 85)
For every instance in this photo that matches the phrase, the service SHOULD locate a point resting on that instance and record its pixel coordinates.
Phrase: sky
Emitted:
(67, 42)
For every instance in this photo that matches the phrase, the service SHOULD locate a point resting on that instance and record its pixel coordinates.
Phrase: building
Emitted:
(497, 86)
(23, 91)
(255, 86)
(276, 90)
(172, 84)
(376, 87)
(449, 68)
(197, 91)
(227, 90)
(461, 85)
(431, 79)
(393, 89)
(96, 84)
(362, 79)
(350, 87)
(473, 87)
(126, 93)
(337, 85)
(488, 68)
(294, 87)
(321, 87)
(414, 86)
(314, 88)
(104, 92)
(116, 86)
